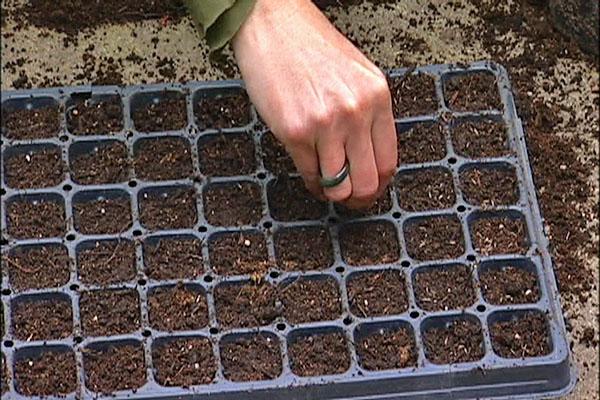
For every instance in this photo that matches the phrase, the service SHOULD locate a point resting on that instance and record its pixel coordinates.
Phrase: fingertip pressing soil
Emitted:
(413, 94)
(434, 238)
(50, 373)
(275, 157)
(184, 362)
(373, 294)
(381, 206)
(106, 163)
(422, 143)
(246, 305)
(171, 258)
(177, 308)
(38, 123)
(34, 169)
(369, 243)
(233, 204)
(226, 155)
(95, 117)
(526, 335)
(223, 112)
(472, 92)
(444, 288)
(109, 312)
(239, 253)
(319, 354)
(426, 189)
(456, 342)
(36, 219)
(499, 235)
(509, 285)
(310, 300)
(490, 187)
(163, 159)
(480, 139)
(387, 349)
(127, 359)
(45, 319)
(289, 200)
(303, 249)
(107, 263)
(170, 209)
(104, 216)
(255, 358)
(167, 115)
(37, 267)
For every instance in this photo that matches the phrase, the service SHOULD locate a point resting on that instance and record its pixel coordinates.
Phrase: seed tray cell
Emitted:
(191, 255)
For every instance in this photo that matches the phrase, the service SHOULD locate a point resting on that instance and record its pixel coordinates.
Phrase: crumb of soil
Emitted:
(444, 288)
(310, 300)
(369, 243)
(427, 189)
(472, 92)
(127, 359)
(92, 117)
(184, 362)
(38, 123)
(177, 308)
(319, 354)
(422, 143)
(499, 235)
(239, 253)
(381, 206)
(109, 312)
(36, 219)
(42, 319)
(459, 341)
(163, 159)
(275, 157)
(167, 115)
(434, 238)
(412, 95)
(106, 163)
(524, 336)
(255, 358)
(102, 216)
(37, 267)
(509, 285)
(228, 111)
(480, 139)
(171, 258)
(387, 349)
(246, 305)
(172, 209)
(289, 200)
(106, 263)
(34, 169)
(233, 204)
(51, 373)
(490, 187)
(303, 249)
(226, 155)
(373, 294)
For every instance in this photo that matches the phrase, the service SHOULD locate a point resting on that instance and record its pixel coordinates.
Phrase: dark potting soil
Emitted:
(381, 206)
(102, 216)
(161, 159)
(184, 362)
(106, 263)
(239, 253)
(303, 249)
(255, 358)
(169, 209)
(373, 294)
(109, 312)
(424, 142)
(37, 123)
(127, 359)
(289, 200)
(168, 115)
(319, 354)
(275, 157)
(36, 219)
(37, 267)
(233, 204)
(434, 238)
(228, 111)
(472, 92)
(177, 308)
(174, 258)
(480, 139)
(50, 373)
(310, 300)
(457, 342)
(499, 235)
(490, 187)
(226, 155)
(387, 349)
(426, 189)
(509, 285)
(369, 243)
(34, 169)
(444, 288)
(525, 336)
(43, 319)
(412, 95)
(244, 305)
(95, 117)
(106, 163)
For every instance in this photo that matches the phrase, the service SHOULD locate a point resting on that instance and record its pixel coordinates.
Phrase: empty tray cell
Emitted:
(101, 360)
(238, 253)
(37, 266)
(106, 262)
(289, 200)
(47, 371)
(173, 257)
(251, 357)
(183, 361)
(233, 204)
(381, 206)
(480, 138)
(246, 304)
(102, 212)
(443, 288)
(473, 91)
(177, 308)
(100, 114)
(99, 162)
(109, 312)
(318, 352)
(451, 340)
(509, 282)
(30, 118)
(36, 216)
(433, 238)
(521, 334)
(303, 249)
(226, 154)
(310, 299)
(159, 111)
(489, 185)
(222, 108)
(384, 346)
(172, 207)
(421, 143)
(42, 317)
(425, 189)
(275, 157)
(162, 159)
(377, 293)
(499, 233)
(413, 95)
(369, 243)
(33, 166)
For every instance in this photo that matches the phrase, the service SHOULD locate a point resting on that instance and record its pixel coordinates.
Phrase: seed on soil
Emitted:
(310, 300)
(381, 206)
(434, 238)
(105, 163)
(244, 305)
(412, 95)
(173, 258)
(38, 267)
(161, 159)
(472, 92)
(499, 235)
(127, 359)
(41, 319)
(109, 312)
(303, 249)
(106, 262)
(387, 349)
(184, 362)
(37, 123)
(169, 208)
(102, 216)
(480, 139)
(95, 116)
(509, 285)
(289, 200)
(490, 187)
(177, 308)
(275, 157)
(425, 189)
(369, 243)
(251, 358)
(49, 373)
(223, 112)
(166, 115)
(458, 341)
(226, 154)
(38, 168)
(424, 142)
(233, 204)
(525, 335)
(239, 253)
(444, 288)
(40, 218)
(319, 354)
(373, 294)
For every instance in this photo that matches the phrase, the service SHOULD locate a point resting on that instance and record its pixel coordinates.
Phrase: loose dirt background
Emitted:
(557, 90)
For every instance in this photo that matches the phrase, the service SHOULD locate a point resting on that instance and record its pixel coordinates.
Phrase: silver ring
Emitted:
(329, 182)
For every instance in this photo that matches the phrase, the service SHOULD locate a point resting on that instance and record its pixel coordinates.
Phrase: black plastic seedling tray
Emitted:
(491, 373)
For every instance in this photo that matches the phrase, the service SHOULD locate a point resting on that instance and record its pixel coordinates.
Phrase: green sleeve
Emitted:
(219, 20)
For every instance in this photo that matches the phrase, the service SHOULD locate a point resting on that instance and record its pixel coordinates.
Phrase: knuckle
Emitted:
(380, 87)
(296, 133)
(321, 118)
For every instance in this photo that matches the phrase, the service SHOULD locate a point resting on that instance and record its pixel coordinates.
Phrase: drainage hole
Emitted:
(414, 314)
(280, 326)
(74, 287)
(146, 333)
(340, 269)
(274, 274)
(347, 321)
(481, 308)
(213, 331)
(8, 343)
